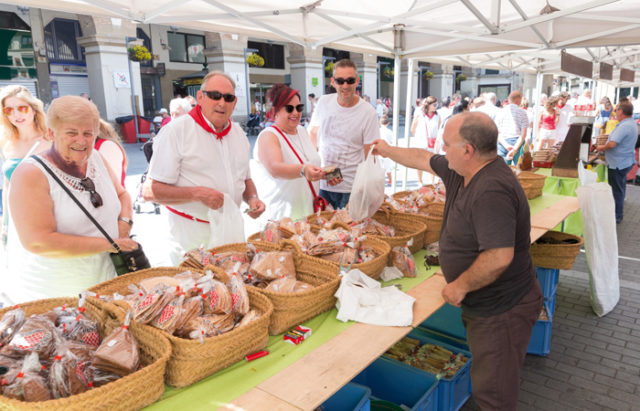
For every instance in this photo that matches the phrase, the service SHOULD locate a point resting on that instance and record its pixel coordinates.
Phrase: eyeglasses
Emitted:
(216, 95)
(289, 108)
(9, 110)
(88, 185)
(349, 80)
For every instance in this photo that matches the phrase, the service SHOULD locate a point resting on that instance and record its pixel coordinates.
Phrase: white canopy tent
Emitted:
(522, 35)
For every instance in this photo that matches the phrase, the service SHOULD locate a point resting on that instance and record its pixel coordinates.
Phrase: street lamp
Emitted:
(246, 76)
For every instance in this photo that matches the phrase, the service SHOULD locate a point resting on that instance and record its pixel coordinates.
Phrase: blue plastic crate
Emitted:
(540, 342)
(350, 397)
(447, 320)
(455, 391)
(400, 384)
(548, 278)
(550, 301)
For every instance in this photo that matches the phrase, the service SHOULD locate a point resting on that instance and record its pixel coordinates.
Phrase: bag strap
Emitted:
(313, 190)
(65, 188)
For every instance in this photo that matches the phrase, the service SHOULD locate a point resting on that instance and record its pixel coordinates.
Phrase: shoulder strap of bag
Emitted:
(65, 188)
(313, 190)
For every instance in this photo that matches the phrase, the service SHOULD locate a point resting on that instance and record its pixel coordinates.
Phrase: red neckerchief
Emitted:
(196, 114)
(430, 116)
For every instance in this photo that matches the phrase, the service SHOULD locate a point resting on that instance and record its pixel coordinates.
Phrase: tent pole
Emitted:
(396, 109)
(537, 109)
(407, 117)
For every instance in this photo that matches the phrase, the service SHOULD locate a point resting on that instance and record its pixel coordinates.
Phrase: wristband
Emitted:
(126, 220)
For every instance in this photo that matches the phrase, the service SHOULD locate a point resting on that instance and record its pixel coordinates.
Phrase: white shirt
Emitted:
(342, 134)
(284, 197)
(33, 277)
(186, 155)
(562, 128)
(489, 109)
(511, 121)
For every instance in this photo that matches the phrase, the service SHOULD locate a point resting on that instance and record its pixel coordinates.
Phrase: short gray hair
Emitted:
(179, 102)
(480, 131)
(214, 74)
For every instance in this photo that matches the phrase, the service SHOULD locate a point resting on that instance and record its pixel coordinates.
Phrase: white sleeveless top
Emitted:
(285, 197)
(33, 277)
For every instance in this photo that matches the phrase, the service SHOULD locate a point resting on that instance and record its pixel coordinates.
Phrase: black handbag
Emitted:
(123, 261)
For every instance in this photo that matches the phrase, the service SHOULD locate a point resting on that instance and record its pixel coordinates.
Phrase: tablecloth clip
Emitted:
(342, 269)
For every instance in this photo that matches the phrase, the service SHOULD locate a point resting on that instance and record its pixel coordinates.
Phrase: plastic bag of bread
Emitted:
(317, 219)
(10, 368)
(151, 283)
(100, 377)
(210, 325)
(169, 315)
(325, 247)
(118, 353)
(217, 299)
(150, 305)
(334, 235)
(10, 323)
(239, 295)
(38, 334)
(64, 379)
(191, 308)
(197, 258)
(403, 261)
(273, 264)
(366, 254)
(341, 216)
(29, 385)
(347, 255)
(288, 285)
(271, 234)
(286, 227)
(252, 315)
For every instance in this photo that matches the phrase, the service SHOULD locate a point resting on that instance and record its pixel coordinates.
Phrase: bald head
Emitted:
(515, 97)
(477, 129)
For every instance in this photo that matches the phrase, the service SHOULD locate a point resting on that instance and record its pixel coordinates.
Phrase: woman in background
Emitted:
(108, 144)
(23, 132)
(425, 127)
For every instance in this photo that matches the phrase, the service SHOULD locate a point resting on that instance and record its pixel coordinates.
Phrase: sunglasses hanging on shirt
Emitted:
(349, 80)
(216, 95)
(289, 108)
(89, 186)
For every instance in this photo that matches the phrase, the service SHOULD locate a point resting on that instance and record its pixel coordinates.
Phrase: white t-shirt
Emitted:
(489, 109)
(562, 128)
(342, 134)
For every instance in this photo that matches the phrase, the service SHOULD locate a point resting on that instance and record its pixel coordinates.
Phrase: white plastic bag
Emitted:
(362, 299)
(601, 245)
(367, 193)
(226, 224)
(586, 176)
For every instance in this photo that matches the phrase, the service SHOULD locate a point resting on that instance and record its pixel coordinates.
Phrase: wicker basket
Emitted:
(291, 309)
(260, 246)
(560, 256)
(372, 268)
(405, 230)
(530, 191)
(192, 360)
(132, 392)
(430, 216)
(532, 183)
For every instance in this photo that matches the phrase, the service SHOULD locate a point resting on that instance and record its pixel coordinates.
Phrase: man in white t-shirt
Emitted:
(489, 107)
(343, 126)
(198, 159)
(565, 112)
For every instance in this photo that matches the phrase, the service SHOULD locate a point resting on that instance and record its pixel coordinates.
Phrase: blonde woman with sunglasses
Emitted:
(53, 247)
(23, 132)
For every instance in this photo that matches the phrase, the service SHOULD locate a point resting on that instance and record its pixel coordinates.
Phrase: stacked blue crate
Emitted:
(350, 397)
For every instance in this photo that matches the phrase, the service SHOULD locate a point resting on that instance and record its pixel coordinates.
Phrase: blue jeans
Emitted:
(337, 200)
(502, 152)
(618, 183)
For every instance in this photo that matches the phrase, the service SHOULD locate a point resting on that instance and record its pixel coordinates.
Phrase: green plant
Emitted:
(139, 53)
(388, 71)
(428, 75)
(329, 67)
(461, 77)
(255, 60)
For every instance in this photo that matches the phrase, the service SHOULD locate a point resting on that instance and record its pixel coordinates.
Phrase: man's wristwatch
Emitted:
(126, 220)
(302, 171)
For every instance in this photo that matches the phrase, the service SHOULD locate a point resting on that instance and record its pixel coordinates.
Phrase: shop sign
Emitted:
(192, 81)
(121, 79)
(314, 81)
(160, 69)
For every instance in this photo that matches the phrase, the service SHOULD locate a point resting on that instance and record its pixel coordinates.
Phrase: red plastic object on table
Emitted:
(543, 164)
(128, 130)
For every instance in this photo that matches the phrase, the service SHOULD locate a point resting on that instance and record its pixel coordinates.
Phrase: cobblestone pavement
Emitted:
(594, 363)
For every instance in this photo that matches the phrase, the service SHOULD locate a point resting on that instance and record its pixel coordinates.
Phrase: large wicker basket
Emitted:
(192, 360)
(532, 183)
(291, 309)
(132, 392)
(430, 216)
(405, 228)
(561, 255)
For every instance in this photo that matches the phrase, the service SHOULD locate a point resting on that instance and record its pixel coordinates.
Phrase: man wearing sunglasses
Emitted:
(197, 159)
(343, 126)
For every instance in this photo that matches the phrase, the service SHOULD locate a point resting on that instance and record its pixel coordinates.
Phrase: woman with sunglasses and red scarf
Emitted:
(286, 164)
(23, 132)
(54, 249)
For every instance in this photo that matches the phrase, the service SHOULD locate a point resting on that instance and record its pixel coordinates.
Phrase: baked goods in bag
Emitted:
(218, 299)
(239, 295)
(288, 285)
(118, 353)
(273, 264)
(38, 334)
(403, 261)
(10, 323)
(29, 385)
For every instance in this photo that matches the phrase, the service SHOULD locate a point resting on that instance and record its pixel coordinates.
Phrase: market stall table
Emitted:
(304, 376)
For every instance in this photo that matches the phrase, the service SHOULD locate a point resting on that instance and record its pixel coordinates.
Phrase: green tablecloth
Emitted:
(567, 186)
(230, 383)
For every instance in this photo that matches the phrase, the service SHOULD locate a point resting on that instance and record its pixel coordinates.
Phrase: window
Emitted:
(273, 54)
(61, 41)
(187, 48)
